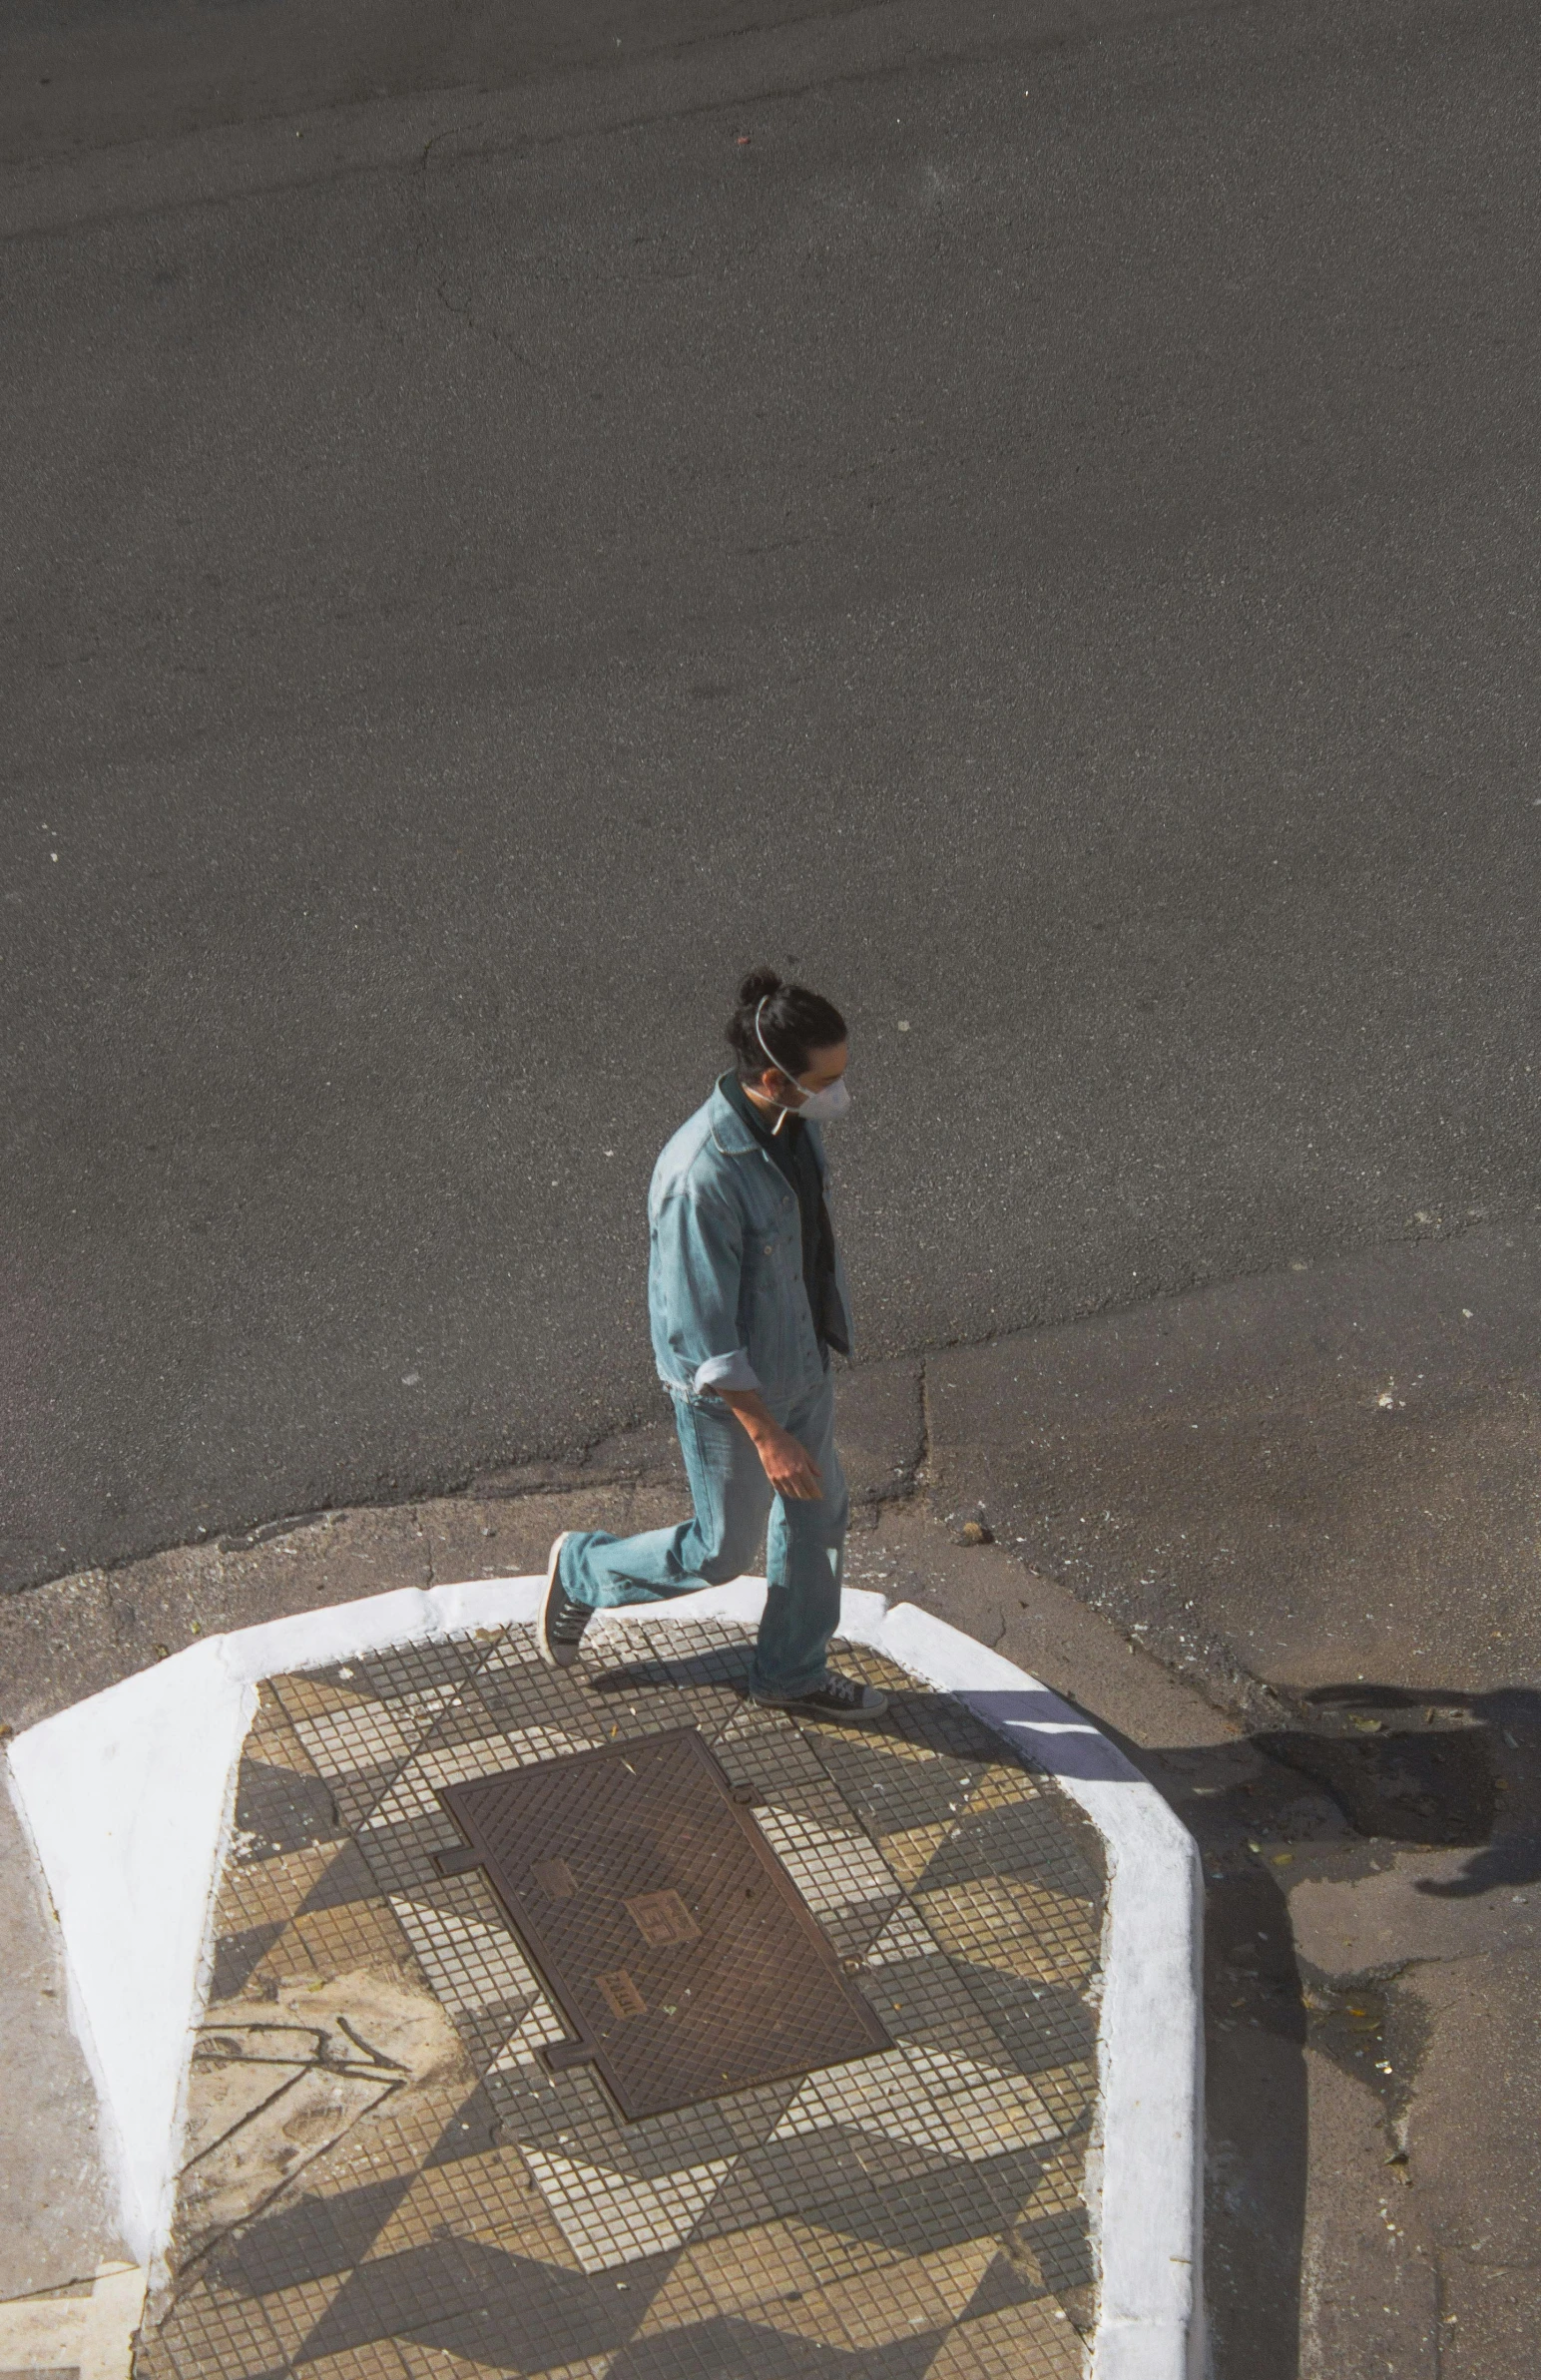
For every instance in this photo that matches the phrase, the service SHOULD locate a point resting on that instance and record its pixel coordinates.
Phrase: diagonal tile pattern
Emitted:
(917, 2211)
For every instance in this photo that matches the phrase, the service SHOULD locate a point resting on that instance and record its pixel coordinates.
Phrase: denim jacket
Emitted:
(725, 1298)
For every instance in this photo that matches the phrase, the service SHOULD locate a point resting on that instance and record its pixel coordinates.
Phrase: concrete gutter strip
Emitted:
(93, 2331)
(129, 1801)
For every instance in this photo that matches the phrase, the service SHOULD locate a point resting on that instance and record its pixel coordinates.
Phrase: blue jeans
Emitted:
(805, 1548)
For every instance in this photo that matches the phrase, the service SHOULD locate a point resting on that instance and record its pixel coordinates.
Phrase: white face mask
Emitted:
(822, 1107)
(819, 1107)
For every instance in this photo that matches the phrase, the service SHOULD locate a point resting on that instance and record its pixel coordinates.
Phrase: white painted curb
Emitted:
(129, 1801)
(1145, 2173)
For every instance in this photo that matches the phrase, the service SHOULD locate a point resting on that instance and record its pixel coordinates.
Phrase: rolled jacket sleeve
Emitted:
(726, 1371)
(697, 1258)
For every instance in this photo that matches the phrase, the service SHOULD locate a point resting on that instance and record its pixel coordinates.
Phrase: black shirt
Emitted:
(793, 1154)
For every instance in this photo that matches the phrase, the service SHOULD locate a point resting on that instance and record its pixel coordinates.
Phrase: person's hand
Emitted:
(788, 1465)
(785, 1461)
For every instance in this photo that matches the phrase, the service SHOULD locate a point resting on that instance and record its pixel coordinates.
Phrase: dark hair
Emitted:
(794, 1020)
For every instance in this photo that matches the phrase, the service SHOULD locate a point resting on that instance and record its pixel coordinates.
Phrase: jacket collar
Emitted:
(733, 1137)
(729, 1130)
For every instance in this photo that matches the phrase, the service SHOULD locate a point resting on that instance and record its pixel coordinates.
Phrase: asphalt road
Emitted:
(1031, 527)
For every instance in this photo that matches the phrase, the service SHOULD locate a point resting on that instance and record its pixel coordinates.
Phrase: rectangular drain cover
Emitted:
(680, 1952)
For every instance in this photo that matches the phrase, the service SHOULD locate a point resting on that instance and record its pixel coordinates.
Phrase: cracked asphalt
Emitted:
(1024, 518)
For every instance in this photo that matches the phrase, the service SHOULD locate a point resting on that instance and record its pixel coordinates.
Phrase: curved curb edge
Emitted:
(131, 1842)
(1144, 2168)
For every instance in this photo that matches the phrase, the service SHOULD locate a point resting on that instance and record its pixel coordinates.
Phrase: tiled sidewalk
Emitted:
(385, 2181)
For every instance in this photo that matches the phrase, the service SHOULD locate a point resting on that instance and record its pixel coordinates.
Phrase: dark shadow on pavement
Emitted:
(1365, 1767)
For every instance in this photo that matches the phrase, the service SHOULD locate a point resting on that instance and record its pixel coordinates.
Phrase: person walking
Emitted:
(747, 1295)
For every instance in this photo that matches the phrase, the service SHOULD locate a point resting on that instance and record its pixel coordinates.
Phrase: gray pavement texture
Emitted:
(1322, 1476)
(1372, 1843)
(58, 2209)
(1024, 518)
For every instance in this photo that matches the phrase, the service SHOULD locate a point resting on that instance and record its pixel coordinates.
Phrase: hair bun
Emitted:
(800, 1020)
(757, 985)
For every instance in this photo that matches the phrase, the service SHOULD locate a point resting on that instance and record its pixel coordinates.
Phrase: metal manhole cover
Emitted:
(683, 1957)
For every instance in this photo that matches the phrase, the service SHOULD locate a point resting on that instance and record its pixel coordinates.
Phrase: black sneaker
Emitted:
(834, 1697)
(562, 1622)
